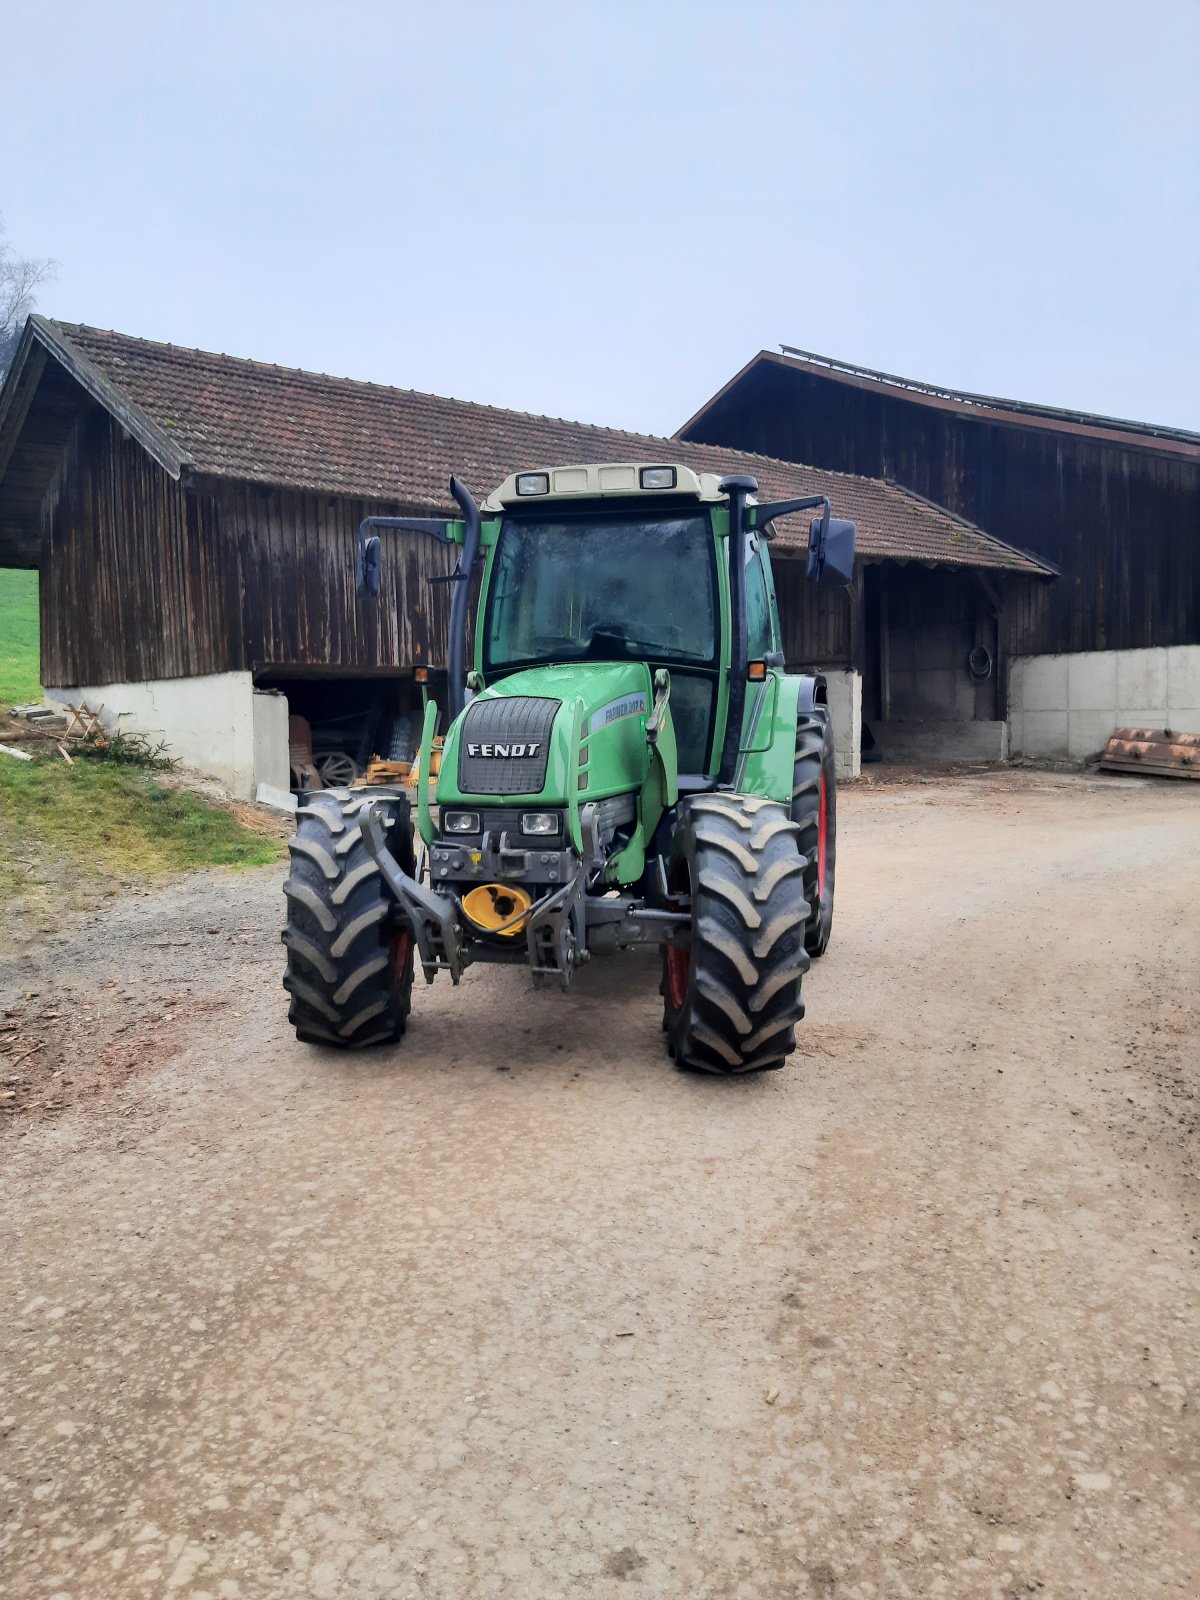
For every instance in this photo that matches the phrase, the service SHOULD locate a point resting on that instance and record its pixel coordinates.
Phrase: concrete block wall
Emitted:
(845, 708)
(271, 757)
(1066, 706)
(217, 723)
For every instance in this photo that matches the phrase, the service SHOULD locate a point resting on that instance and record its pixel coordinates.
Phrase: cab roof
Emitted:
(603, 479)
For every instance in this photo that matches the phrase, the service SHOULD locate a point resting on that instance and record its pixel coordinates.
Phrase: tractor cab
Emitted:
(620, 563)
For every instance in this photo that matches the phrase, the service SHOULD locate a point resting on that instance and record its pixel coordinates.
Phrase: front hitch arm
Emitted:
(550, 939)
(432, 917)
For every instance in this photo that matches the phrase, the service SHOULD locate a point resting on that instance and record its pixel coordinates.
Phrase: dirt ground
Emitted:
(518, 1310)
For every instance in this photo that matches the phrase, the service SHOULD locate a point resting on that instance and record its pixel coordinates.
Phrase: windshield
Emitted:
(617, 588)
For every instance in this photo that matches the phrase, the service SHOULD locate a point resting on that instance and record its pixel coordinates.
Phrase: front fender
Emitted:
(813, 692)
(766, 762)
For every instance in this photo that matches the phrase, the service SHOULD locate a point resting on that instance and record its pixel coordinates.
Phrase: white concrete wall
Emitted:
(845, 708)
(1067, 705)
(216, 723)
(269, 710)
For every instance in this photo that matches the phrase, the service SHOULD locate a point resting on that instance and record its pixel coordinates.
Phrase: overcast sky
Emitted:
(601, 211)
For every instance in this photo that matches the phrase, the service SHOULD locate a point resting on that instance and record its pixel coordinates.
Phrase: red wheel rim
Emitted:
(679, 965)
(401, 945)
(822, 839)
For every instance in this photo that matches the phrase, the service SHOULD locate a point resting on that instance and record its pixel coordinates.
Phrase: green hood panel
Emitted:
(602, 713)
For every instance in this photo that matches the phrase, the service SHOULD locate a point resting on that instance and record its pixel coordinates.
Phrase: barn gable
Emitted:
(1114, 505)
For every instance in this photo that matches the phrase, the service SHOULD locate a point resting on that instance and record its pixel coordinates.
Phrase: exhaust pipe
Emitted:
(737, 488)
(460, 607)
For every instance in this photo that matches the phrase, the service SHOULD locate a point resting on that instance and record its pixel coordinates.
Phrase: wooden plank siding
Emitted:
(144, 577)
(295, 556)
(817, 623)
(1120, 521)
(131, 585)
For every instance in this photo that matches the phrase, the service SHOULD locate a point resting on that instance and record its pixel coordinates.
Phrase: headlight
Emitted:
(460, 821)
(541, 822)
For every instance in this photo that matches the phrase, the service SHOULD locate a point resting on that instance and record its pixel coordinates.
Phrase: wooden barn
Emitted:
(1113, 506)
(194, 518)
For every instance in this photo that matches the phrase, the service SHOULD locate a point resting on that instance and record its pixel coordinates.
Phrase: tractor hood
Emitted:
(554, 735)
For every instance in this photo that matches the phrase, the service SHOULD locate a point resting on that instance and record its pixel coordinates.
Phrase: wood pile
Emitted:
(26, 729)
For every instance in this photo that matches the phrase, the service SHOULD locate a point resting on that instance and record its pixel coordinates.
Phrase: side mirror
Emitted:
(370, 563)
(831, 552)
(368, 572)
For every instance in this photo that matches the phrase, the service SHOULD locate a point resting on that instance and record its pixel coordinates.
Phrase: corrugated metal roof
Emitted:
(233, 418)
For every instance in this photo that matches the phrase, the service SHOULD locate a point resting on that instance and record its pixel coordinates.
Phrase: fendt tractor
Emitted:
(627, 763)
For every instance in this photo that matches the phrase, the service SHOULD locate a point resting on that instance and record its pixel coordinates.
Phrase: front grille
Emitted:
(506, 721)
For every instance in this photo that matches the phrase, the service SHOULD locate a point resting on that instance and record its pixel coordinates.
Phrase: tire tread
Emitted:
(340, 974)
(747, 950)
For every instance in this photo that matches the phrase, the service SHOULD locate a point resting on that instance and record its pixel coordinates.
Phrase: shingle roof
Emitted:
(233, 418)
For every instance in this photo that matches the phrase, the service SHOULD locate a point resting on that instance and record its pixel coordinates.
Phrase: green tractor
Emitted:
(627, 763)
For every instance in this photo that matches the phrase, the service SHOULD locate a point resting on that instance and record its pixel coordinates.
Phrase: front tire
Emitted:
(731, 999)
(814, 810)
(350, 962)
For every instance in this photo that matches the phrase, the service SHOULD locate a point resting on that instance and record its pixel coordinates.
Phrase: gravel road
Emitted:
(518, 1310)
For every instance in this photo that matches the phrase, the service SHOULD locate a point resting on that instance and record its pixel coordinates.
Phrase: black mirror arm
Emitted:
(369, 574)
(436, 527)
(760, 516)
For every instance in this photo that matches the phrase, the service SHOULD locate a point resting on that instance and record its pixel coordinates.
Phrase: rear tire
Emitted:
(814, 810)
(731, 1001)
(350, 962)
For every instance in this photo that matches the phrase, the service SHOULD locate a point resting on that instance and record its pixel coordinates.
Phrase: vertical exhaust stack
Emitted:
(737, 488)
(456, 667)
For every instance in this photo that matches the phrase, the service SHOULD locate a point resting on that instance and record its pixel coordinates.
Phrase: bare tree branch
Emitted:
(20, 279)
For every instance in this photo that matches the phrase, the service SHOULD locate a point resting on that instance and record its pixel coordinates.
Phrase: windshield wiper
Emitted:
(643, 652)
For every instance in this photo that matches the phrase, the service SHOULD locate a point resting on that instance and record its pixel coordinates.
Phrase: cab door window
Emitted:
(760, 634)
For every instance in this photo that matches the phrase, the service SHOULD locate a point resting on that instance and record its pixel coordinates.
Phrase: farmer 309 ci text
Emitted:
(627, 763)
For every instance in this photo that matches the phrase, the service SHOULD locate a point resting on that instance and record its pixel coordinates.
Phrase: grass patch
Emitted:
(20, 664)
(71, 833)
(67, 830)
